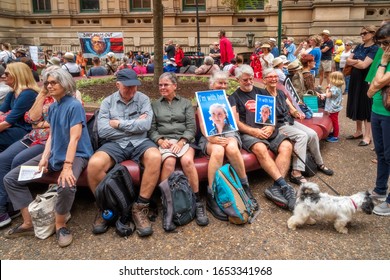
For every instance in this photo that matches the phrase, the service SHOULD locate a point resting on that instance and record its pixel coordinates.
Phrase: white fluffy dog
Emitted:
(312, 205)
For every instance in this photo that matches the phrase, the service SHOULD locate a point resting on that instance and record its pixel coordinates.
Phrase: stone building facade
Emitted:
(54, 23)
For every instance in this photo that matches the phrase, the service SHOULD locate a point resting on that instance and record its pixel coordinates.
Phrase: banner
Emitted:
(217, 116)
(100, 43)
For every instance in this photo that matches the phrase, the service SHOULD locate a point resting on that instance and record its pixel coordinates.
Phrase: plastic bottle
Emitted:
(108, 215)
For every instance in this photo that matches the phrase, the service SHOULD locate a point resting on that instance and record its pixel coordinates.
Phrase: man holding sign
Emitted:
(258, 138)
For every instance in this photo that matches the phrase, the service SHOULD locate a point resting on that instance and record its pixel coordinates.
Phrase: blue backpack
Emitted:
(231, 197)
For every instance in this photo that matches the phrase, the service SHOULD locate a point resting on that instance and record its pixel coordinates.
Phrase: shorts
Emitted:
(248, 141)
(203, 141)
(326, 65)
(118, 154)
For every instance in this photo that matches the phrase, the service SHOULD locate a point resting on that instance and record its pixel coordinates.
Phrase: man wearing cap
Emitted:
(124, 120)
(326, 57)
(274, 48)
(215, 53)
(70, 65)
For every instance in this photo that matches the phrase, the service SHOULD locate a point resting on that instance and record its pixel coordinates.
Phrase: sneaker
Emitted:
(201, 216)
(213, 207)
(5, 219)
(380, 197)
(64, 237)
(332, 139)
(140, 216)
(250, 196)
(382, 209)
(100, 225)
(289, 194)
(274, 193)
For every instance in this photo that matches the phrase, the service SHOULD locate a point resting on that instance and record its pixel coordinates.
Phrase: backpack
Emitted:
(178, 201)
(116, 193)
(8, 59)
(231, 197)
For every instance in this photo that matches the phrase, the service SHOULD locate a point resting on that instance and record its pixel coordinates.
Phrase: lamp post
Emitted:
(249, 37)
(197, 34)
(279, 25)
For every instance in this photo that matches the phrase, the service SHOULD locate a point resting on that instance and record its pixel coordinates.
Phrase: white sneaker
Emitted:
(382, 209)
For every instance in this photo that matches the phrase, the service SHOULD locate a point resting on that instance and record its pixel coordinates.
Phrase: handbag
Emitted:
(43, 214)
(347, 70)
(386, 97)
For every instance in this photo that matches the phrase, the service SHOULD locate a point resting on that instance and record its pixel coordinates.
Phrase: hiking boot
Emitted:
(289, 193)
(274, 193)
(64, 237)
(251, 197)
(100, 225)
(140, 216)
(213, 207)
(5, 219)
(201, 216)
(382, 209)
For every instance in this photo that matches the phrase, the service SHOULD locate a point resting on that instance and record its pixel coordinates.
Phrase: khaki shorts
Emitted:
(326, 65)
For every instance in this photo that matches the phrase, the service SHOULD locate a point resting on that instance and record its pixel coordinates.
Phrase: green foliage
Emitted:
(236, 5)
(90, 82)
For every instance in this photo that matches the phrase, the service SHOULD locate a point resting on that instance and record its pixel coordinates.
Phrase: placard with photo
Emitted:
(216, 113)
(265, 109)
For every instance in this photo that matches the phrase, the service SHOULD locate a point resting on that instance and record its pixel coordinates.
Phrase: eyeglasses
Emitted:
(364, 33)
(52, 83)
(384, 43)
(164, 85)
(272, 77)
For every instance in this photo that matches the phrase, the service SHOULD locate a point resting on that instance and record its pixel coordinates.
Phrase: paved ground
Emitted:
(267, 238)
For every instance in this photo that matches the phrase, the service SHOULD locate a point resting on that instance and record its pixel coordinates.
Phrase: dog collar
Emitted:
(354, 204)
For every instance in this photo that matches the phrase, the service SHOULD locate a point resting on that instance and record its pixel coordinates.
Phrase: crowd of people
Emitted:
(46, 126)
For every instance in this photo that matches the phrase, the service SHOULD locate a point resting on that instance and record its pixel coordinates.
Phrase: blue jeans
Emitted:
(381, 133)
(13, 156)
(347, 78)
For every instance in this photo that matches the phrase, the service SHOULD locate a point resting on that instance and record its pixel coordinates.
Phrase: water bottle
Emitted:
(108, 215)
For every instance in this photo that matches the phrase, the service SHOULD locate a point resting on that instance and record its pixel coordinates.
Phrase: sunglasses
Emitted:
(384, 43)
(364, 33)
(52, 83)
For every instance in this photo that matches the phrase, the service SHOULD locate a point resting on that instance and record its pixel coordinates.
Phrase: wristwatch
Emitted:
(184, 141)
(382, 65)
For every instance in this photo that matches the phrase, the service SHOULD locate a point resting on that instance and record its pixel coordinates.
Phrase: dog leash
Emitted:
(315, 174)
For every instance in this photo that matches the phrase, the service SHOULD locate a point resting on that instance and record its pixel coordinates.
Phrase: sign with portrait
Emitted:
(290, 88)
(100, 43)
(216, 113)
(265, 110)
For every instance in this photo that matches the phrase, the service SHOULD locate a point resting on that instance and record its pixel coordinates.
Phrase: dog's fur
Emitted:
(313, 205)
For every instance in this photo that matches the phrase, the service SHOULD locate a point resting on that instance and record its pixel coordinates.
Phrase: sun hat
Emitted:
(54, 61)
(110, 54)
(272, 40)
(128, 77)
(284, 58)
(21, 50)
(265, 46)
(168, 153)
(325, 32)
(69, 56)
(277, 61)
(294, 66)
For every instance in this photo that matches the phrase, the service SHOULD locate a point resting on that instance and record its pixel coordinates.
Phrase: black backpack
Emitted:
(178, 201)
(116, 193)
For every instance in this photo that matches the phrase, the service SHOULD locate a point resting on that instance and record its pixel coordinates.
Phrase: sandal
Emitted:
(18, 231)
(325, 170)
(297, 179)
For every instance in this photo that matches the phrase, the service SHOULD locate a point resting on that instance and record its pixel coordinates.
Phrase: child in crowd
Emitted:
(333, 97)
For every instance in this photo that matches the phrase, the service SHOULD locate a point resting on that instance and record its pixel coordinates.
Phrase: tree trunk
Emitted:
(158, 14)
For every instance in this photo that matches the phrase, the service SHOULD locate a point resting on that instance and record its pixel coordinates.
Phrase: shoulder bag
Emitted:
(386, 97)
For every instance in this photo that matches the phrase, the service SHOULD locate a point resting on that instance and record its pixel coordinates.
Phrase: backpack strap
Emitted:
(188, 67)
(209, 69)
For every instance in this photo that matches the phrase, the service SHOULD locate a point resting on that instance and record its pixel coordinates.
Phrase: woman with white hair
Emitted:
(217, 146)
(67, 151)
(208, 67)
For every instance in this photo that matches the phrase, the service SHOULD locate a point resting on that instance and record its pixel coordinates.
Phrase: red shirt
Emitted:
(226, 49)
(178, 57)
